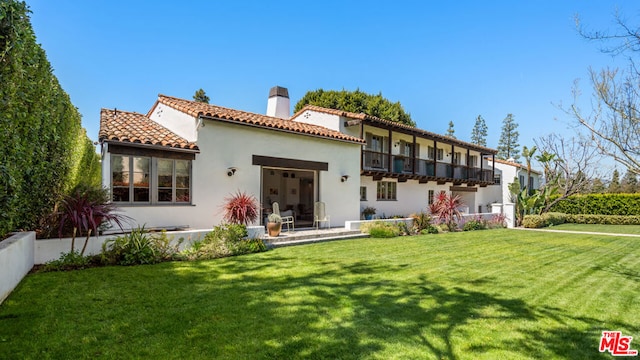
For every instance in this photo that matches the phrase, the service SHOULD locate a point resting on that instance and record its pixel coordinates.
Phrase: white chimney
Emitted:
(278, 104)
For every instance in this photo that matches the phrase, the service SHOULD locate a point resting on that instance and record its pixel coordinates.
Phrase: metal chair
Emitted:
(288, 220)
(320, 214)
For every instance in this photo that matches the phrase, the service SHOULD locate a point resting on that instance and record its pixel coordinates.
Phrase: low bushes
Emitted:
(544, 220)
(604, 219)
(550, 219)
(380, 229)
(141, 247)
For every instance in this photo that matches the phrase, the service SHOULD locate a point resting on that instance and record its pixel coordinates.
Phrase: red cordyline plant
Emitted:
(84, 211)
(240, 208)
(446, 208)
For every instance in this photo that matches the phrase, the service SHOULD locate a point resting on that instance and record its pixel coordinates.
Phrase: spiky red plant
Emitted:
(241, 208)
(446, 208)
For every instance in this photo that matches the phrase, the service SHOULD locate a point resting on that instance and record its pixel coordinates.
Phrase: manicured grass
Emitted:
(499, 294)
(613, 229)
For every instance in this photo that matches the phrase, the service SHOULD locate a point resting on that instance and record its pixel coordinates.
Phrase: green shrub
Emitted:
(139, 247)
(224, 240)
(600, 204)
(70, 261)
(421, 221)
(603, 219)
(533, 221)
(431, 229)
(381, 229)
(476, 224)
(554, 218)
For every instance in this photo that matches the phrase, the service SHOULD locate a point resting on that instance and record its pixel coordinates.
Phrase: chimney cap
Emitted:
(279, 91)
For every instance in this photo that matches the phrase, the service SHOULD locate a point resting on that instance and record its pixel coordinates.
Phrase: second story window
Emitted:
(456, 158)
(440, 153)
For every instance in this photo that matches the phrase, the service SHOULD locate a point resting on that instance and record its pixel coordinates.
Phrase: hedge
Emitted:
(549, 219)
(44, 151)
(600, 204)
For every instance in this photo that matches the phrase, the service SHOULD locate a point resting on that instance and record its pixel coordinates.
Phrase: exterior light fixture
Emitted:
(231, 171)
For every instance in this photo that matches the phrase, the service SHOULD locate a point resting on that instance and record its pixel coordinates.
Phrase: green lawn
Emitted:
(614, 229)
(498, 294)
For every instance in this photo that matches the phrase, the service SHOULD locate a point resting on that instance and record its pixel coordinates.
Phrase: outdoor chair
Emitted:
(320, 214)
(287, 216)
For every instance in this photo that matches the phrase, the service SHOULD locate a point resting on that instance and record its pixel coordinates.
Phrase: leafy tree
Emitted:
(479, 132)
(508, 143)
(613, 126)
(451, 131)
(357, 102)
(201, 96)
(629, 183)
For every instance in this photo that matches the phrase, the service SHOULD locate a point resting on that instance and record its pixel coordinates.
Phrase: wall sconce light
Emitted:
(344, 178)
(231, 171)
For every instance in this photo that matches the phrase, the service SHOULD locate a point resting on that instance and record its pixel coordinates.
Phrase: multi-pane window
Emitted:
(473, 160)
(496, 179)
(430, 152)
(456, 158)
(130, 178)
(440, 154)
(522, 183)
(138, 179)
(431, 194)
(363, 193)
(386, 190)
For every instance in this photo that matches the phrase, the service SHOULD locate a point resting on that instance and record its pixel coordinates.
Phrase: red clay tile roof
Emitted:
(393, 124)
(196, 109)
(515, 164)
(131, 127)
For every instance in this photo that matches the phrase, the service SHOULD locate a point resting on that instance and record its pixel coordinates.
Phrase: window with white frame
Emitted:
(431, 195)
(496, 179)
(150, 180)
(440, 154)
(386, 190)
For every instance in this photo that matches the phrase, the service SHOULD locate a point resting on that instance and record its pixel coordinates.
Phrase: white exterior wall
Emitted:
(509, 173)
(16, 260)
(412, 197)
(224, 145)
(333, 122)
(178, 122)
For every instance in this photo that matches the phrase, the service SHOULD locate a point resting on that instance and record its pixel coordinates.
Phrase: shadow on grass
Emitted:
(353, 312)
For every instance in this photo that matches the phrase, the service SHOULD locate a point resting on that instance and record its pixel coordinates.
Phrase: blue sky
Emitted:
(443, 61)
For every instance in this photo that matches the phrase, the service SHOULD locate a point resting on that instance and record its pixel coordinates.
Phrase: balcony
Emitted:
(403, 167)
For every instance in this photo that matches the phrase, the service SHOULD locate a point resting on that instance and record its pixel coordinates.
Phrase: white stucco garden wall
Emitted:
(223, 145)
(16, 260)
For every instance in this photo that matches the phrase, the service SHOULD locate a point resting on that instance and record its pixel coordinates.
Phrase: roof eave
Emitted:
(149, 146)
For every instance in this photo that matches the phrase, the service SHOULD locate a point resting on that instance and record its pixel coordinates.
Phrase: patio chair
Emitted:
(320, 215)
(287, 216)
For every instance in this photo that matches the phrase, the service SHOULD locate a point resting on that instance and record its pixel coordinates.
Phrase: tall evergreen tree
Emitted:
(479, 132)
(614, 184)
(451, 131)
(201, 96)
(629, 183)
(508, 146)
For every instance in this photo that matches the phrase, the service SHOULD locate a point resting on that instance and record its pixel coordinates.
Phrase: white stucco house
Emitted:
(506, 173)
(175, 165)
